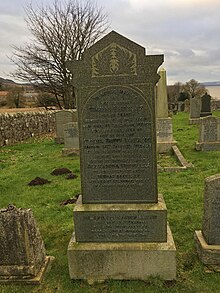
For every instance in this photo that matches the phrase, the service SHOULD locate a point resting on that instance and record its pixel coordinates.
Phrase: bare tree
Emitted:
(14, 96)
(193, 89)
(60, 32)
(174, 92)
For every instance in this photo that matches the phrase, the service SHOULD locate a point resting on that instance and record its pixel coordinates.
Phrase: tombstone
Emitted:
(162, 100)
(120, 221)
(181, 106)
(71, 139)
(205, 106)
(195, 109)
(163, 122)
(186, 105)
(209, 134)
(23, 258)
(62, 118)
(208, 240)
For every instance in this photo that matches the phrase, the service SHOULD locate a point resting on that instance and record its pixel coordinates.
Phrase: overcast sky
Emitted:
(187, 32)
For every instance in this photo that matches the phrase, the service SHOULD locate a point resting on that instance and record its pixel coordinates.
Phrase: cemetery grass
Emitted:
(183, 193)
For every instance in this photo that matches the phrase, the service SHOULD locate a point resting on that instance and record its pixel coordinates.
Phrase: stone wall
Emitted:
(215, 105)
(16, 127)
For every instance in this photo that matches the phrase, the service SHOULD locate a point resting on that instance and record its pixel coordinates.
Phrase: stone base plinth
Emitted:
(165, 146)
(122, 261)
(32, 280)
(66, 152)
(194, 121)
(59, 140)
(208, 146)
(204, 114)
(209, 254)
(121, 222)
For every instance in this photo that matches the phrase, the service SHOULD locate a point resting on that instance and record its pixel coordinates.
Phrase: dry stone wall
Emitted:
(16, 127)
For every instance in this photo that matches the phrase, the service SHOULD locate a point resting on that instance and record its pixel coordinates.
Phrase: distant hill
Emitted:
(211, 83)
(6, 81)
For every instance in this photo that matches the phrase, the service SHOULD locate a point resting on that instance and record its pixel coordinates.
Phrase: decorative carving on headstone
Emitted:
(114, 60)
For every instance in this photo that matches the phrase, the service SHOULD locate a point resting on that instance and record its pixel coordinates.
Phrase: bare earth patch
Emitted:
(38, 181)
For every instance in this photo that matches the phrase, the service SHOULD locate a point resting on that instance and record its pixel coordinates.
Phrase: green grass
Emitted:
(183, 193)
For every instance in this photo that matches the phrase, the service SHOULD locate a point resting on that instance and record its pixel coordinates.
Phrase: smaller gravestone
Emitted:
(195, 109)
(209, 134)
(163, 122)
(63, 117)
(22, 252)
(205, 106)
(181, 106)
(71, 139)
(186, 105)
(208, 240)
(162, 101)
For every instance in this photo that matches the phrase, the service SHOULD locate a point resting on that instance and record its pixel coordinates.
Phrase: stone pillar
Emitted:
(22, 252)
(164, 125)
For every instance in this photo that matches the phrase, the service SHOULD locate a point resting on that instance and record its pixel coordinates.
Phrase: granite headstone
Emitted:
(62, 118)
(209, 134)
(208, 240)
(195, 109)
(205, 105)
(119, 206)
(71, 139)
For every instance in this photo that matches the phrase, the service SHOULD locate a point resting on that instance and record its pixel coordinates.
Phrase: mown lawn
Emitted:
(183, 193)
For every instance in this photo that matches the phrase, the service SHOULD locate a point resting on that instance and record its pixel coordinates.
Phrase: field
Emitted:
(183, 193)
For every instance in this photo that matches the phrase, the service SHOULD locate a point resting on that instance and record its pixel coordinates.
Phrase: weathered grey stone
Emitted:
(181, 106)
(165, 139)
(209, 134)
(186, 105)
(22, 250)
(115, 82)
(121, 223)
(208, 254)
(205, 106)
(211, 218)
(71, 139)
(195, 107)
(102, 261)
(115, 88)
(163, 122)
(162, 100)
(208, 240)
(71, 135)
(63, 117)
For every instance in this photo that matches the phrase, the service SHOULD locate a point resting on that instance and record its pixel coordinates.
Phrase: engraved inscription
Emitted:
(164, 130)
(215, 215)
(121, 227)
(118, 147)
(210, 130)
(114, 60)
